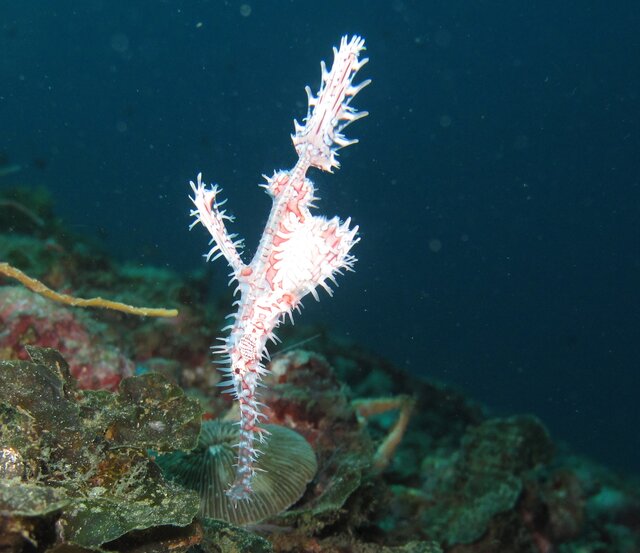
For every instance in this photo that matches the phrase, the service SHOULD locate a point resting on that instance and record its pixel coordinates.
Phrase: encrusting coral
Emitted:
(77, 459)
(30, 320)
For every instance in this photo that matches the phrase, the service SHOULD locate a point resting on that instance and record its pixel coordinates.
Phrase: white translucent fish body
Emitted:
(297, 253)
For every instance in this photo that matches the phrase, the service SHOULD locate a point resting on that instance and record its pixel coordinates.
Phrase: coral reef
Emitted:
(78, 467)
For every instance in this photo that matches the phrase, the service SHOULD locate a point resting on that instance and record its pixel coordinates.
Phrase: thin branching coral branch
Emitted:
(366, 408)
(39, 288)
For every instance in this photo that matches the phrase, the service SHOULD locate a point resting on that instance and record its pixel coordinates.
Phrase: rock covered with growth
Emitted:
(75, 471)
(480, 484)
(27, 319)
(465, 492)
(303, 392)
(347, 495)
(74, 464)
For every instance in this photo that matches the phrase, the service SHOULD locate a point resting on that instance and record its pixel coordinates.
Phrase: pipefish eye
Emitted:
(285, 466)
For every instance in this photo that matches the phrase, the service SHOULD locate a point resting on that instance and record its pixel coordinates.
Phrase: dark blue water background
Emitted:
(496, 183)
